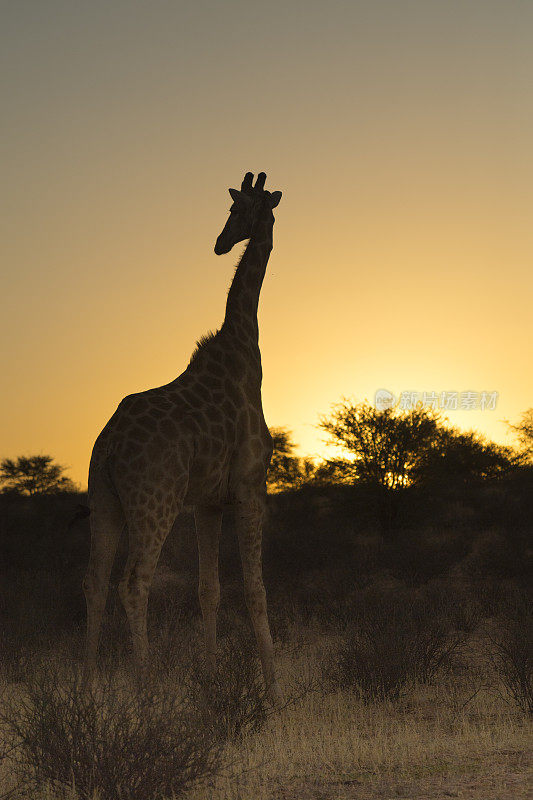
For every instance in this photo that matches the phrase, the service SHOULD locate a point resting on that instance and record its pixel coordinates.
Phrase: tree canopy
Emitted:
(287, 471)
(33, 475)
(394, 449)
(524, 432)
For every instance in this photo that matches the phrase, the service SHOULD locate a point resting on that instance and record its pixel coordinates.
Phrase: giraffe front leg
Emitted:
(208, 520)
(146, 541)
(249, 518)
(133, 591)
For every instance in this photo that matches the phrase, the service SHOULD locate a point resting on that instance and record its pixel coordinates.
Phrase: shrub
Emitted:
(233, 700)
(25, 630)
(112, 740)
(497, 555)
(417, 557)
(174, 641)
(394, 638)
(511, 650)
(17, 657)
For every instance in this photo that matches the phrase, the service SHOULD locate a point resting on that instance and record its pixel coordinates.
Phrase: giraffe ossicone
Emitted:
(200, 441)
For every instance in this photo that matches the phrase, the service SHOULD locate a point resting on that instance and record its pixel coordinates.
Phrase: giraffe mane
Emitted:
(202, 342)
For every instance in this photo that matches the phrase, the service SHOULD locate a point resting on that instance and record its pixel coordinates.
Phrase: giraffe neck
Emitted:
(243, 296)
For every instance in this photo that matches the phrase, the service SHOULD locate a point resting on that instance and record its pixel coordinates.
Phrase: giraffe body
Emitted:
(199, 441)
(208, 423)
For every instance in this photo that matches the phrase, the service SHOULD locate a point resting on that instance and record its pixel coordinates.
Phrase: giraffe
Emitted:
(198, 441)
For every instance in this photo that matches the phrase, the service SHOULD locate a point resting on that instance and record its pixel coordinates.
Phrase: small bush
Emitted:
(112, 740)
(234, 700)
(511, 650)
(497, 555)
(394, 638)
(175, 641)
(417, 557)
(25, 630)
(17, 658)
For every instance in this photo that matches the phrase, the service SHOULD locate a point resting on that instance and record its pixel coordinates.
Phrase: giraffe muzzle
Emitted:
(221, 247)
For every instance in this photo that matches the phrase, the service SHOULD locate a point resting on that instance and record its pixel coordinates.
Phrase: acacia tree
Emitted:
(524, 432)
(392, 449)
(462, 456)
(385, 447)
(33, 475)
(287, 471)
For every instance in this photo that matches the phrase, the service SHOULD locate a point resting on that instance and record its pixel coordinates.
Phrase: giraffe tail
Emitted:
(82, 512)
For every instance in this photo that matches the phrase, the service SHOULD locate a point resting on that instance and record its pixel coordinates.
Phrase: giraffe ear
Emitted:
(239, 197)
(275, 197)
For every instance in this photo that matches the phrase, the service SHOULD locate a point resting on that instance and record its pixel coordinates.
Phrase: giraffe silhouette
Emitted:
(199, 441)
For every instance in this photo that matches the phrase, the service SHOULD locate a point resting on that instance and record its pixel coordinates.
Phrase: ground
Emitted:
(460, 735)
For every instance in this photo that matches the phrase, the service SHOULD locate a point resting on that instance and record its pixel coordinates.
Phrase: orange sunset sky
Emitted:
(400, 132)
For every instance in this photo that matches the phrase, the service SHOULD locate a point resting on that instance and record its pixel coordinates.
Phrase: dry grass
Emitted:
(458, 737)
(439, 739)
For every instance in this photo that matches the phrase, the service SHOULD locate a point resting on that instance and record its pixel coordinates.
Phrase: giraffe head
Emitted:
(250, 204)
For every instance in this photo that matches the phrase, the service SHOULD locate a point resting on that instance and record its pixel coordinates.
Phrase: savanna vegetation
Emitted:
(399, 580)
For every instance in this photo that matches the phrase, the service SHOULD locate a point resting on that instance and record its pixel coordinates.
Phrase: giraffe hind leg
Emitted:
(107, 523)
(248, 518)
